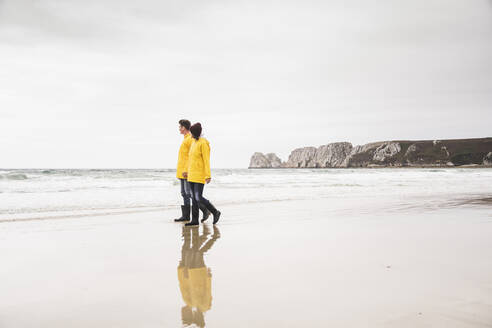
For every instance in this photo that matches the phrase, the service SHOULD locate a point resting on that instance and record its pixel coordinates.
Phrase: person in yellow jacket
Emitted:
(182, 167)
(199, 174)
(195, 278)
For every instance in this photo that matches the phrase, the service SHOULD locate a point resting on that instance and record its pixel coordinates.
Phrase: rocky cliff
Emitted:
(452, 152)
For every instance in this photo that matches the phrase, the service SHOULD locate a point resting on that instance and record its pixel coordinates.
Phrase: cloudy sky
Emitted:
(102, 83)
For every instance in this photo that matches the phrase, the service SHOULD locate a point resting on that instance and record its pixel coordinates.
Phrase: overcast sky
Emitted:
(102, 83)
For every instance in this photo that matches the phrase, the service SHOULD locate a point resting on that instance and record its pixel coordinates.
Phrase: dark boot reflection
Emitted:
(195, 279)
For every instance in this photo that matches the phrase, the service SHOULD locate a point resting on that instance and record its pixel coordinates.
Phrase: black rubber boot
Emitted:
(214, 211)
(205, 211)
(216, 216)
(185, 214)
(194, 216)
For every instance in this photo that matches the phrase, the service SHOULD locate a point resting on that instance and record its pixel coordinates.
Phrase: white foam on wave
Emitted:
(13, 176)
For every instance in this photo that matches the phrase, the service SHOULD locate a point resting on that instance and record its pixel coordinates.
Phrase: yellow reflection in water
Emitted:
(195, 278)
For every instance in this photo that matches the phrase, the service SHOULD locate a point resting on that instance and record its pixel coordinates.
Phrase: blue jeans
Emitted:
(197, 197)
(185, 191)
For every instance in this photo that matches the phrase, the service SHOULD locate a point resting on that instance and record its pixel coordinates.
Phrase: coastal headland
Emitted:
(397, 153)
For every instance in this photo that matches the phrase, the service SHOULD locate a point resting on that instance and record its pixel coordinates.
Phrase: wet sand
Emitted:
(272, 264)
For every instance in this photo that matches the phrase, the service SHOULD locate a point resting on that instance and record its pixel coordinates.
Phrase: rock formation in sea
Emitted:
(275, 161)
(453, 152)
(260, 160)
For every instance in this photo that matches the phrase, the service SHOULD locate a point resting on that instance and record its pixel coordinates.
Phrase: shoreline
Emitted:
(84, 194)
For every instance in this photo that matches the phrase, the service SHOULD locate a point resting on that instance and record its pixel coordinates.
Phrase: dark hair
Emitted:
(196, 130)
(185, 123)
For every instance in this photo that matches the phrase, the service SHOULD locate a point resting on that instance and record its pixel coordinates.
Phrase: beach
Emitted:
(362, 254)
(339, 152)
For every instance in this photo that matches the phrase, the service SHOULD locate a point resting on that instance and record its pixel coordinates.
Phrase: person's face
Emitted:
(182, 130)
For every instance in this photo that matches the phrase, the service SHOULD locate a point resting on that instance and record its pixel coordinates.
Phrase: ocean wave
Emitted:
(48, 171)
(13, 176)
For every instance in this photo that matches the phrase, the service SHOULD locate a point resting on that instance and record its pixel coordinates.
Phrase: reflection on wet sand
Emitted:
(195, 278)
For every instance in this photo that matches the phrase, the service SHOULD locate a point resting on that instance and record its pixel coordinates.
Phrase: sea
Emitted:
(41, 194)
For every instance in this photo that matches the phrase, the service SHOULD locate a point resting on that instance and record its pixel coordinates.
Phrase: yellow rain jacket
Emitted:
(183, 154)
(196, 287)
(199, 161)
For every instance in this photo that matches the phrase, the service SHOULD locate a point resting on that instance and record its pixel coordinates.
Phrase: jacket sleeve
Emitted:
(187, 157)
(206, 159)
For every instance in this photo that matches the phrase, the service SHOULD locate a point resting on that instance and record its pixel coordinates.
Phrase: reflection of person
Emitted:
(198, 174)
(195, 279)
(181, 174)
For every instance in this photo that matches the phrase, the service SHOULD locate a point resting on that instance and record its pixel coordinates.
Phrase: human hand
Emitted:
(185, 174)
(208, 180)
